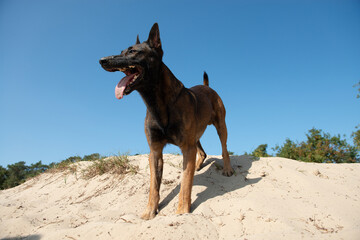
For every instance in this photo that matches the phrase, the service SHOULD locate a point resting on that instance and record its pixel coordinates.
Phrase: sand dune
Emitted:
(269, 198)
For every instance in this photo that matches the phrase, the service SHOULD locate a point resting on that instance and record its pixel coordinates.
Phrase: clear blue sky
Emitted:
(281, 68)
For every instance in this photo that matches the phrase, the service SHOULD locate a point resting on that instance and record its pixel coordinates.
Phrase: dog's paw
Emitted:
(228, 171)
(184, 207)
(183, 211)
(147, 215)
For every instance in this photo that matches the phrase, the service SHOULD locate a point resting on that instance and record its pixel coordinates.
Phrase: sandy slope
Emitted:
(271, 198)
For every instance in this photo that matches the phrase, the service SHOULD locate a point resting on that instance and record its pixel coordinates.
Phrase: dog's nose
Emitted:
(102, 60)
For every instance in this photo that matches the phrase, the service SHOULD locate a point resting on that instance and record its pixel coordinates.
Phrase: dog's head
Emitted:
(139, 63)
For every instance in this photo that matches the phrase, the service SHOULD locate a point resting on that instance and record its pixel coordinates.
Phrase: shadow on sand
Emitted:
(30, 237)
(216, 184)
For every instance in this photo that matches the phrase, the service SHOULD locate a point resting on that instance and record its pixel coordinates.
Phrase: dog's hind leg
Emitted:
(156, 169)
(220, 126)
(201, 155)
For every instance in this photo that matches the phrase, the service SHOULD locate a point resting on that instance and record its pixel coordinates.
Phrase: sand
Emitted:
(268, 198)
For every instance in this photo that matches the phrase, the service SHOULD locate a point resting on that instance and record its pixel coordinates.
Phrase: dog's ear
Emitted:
(137, 40)
(154, 38)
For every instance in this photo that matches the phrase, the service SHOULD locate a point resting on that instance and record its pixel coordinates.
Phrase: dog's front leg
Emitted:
(156, 170)
(189, 154)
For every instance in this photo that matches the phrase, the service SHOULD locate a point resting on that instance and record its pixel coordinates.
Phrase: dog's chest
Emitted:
(169, 134)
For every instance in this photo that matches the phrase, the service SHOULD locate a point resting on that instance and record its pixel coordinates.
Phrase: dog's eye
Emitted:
(131, 51)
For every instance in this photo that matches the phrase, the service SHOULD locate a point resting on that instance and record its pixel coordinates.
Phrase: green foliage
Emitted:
(320, 147)
(3, 177)
(73, 159)
(288, 150)
(92, 157)
(231, 153)
(36, 168)
(260, 151)
(17, 173)
(356, 140)
(356, 135)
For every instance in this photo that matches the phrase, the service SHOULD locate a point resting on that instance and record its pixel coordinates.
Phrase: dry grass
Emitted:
(64, 166)
(119, 165)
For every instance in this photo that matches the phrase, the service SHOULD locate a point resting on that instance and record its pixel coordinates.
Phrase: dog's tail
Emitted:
(206, 79)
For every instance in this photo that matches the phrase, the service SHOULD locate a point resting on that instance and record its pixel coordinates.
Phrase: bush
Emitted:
(356, 136)
(92, 157)
(320, 147)
(260, 151)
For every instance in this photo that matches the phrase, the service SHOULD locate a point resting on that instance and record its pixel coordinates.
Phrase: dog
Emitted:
(175, 114)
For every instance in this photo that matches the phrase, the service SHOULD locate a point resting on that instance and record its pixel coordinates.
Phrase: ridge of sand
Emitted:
(269, 198)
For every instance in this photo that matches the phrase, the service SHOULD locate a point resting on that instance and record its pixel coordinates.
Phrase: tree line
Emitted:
(17, 173)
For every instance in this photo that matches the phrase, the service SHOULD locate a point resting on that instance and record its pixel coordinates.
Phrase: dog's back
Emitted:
(208, 101)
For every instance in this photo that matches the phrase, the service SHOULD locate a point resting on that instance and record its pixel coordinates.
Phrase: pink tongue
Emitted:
(120, 87)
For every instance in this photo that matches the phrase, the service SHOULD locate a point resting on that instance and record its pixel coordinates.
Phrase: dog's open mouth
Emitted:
(125, 86)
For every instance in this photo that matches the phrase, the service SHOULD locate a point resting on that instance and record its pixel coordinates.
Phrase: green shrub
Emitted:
(260, 151)
(319, 147)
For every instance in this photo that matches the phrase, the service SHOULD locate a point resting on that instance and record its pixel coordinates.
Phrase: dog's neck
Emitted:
(162, 92)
